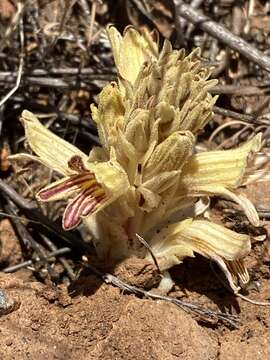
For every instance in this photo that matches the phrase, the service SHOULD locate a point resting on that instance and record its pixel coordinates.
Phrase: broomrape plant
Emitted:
(145, 174)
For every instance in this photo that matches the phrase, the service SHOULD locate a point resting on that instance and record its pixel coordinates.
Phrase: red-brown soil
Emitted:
(93, 320)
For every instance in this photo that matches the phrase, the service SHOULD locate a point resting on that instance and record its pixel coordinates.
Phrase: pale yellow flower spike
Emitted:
(146, 175)
(177, 88)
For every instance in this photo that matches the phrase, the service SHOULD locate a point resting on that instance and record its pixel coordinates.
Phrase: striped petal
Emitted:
(90, 197)
(83, 205)
(65, 187)
(93, 190)
(217, 173)
(239, 271)
(213, 241)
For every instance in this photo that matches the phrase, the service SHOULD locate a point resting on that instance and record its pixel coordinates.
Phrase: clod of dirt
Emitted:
(104, 325)
(256, 348)
(7, 9)
(257, 195)
(155, 330)
(138, 272)
(10, 250)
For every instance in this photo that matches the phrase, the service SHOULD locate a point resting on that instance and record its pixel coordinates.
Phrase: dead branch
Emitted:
(195, 309)
(223, 35)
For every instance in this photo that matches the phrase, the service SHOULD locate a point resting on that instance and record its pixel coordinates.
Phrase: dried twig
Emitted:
(89, 73)
(143, 11)
(27, 263)
(7, 190)
(92, 22)
(186, 306)
(237, 90)
(223, 35)
(264, 214)
(44, 224)
(239, 116)
(85, 7)
(62, 260)
(148, 247)
(13, 25)
(67, 9)
(26, 237)
(20, 68)
(228, 124)
(53, 82)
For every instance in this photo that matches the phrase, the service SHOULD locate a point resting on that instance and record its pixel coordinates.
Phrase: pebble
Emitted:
(7, 305)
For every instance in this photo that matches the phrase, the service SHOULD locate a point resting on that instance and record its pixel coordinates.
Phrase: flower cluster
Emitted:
(146, 174)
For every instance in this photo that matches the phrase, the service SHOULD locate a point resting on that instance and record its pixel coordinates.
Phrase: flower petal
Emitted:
(95, 190)
(65, 187)
(247, 206)
(53, 151)
(213, 241)
(239, 271)
(84, 204)
(111, 175)
(216, 173)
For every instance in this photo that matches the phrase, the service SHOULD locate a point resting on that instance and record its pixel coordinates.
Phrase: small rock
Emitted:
(9, 342)
(35, 326)
(7, 305)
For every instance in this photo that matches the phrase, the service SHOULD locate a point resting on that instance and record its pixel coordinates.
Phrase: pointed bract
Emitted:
(130, 51)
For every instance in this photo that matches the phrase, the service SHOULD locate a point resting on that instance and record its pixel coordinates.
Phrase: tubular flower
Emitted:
(91, 187)
(146, 175)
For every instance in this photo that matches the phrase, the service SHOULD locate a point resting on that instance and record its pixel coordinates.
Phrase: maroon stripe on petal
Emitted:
(90, 202)
(90, 207)
(71, 217)
(65, 185)
(76, 207)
